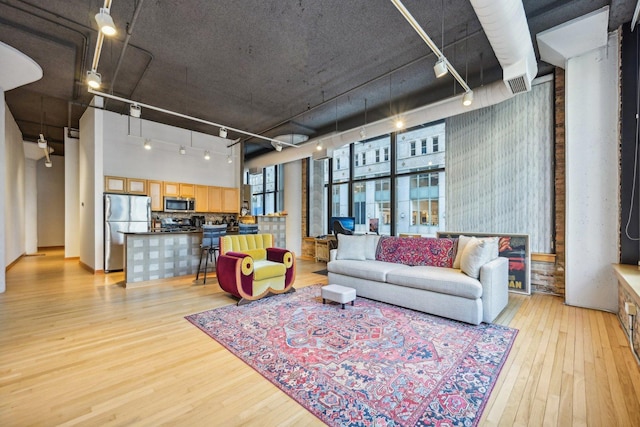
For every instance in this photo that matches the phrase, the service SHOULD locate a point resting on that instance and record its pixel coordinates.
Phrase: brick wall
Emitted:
(560, 184)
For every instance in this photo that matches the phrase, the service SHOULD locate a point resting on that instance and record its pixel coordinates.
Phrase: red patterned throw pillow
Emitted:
(417, 251)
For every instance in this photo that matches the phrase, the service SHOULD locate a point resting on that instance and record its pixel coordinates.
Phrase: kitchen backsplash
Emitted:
(209, 218)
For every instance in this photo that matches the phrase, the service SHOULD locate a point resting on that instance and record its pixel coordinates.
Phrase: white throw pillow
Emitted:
(462, 242)
(371, 246)
(477, 253)
(351, 247)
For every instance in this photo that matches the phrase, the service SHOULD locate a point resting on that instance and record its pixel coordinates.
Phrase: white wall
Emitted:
(4, 178)
(14, 189)
(71, 200)
(90, 148)
(293, 205)
(31, 207)
(51, 224)
(592, 192)
(125, 155)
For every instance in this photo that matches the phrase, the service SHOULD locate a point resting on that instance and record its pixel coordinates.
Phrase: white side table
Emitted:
(339, 294)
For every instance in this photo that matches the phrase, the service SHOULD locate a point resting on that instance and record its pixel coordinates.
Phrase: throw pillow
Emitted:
(462, 242)
(477, 253)
(371, 246)
(351, 247)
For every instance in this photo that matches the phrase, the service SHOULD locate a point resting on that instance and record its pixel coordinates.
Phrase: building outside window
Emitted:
(434, 144)
(424, 146)
(266, 194)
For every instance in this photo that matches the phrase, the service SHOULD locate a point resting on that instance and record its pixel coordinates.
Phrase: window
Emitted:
(266, 197)
(377, 156)
(386, 154)
(434, 144)
(413, 148)
(424, 146)
(364, 159)
(357, 161)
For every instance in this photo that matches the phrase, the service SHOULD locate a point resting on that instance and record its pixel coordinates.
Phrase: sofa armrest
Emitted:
(494, 277)
(332, 254)
(286, 257)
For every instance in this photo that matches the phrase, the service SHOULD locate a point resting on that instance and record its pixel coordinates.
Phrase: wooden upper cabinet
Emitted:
(202, 198)
(230, 200)
(215, 199)
(171, 189)
(115, 184)
(155, 192)
(136, 186)
(187, 190)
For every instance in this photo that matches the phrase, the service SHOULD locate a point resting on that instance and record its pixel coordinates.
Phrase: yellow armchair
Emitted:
(250, 268)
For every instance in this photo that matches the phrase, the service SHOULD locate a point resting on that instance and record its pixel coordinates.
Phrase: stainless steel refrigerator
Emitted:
(122, 213)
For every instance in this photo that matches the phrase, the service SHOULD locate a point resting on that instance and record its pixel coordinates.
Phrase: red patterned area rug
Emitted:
(370, 364)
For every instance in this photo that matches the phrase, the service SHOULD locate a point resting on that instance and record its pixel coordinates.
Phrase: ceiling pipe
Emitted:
(505, 24)
(126, 44)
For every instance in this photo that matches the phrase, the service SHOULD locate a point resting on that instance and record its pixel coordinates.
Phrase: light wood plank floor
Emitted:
(79, 349)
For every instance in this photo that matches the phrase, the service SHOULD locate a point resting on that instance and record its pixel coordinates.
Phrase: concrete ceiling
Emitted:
(270, 67)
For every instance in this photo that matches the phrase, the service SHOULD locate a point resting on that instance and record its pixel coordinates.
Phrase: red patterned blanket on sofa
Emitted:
(436, 252)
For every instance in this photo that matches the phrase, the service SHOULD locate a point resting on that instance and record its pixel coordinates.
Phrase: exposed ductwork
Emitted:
(505, 24)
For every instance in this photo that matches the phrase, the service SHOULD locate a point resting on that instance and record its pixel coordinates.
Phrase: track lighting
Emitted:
(48, 163)
(399, 124)
(207, 156)
(363, 133)
(467, 99)
(229, 159)
(182, 150)
(318, 146)
(277, 145)
(440, 69)
(94, 79)
(223, 133)
(42, 143)
(147, 144)
(105, 22)
(135, 110)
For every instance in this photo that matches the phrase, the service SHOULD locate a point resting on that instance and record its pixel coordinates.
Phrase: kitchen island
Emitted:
(157, 255)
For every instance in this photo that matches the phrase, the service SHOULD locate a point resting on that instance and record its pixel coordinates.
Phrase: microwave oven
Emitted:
(179, 204)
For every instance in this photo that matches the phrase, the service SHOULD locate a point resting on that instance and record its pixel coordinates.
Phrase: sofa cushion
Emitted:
(267, 269)
(369, 270)
(462, 242)
(351, 247)
(437, 279)
(437, 252)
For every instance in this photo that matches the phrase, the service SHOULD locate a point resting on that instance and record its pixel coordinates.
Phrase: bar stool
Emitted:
(247, 228)
(210, 246)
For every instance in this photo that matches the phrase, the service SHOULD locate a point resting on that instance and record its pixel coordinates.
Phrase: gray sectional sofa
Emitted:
(419, 274)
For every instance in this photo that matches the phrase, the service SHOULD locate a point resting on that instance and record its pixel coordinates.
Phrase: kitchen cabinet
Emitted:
(136, 186)
(202, 198)
(187, 190)
(214, 201)
(230, 200)
(171, 189)
(115, 184)
(155, 192)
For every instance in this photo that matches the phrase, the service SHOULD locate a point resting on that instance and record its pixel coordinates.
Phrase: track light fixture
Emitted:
(440, 69)
(363, 133)
(207, 156)
(223, 133)
(48, 163)
(467, 99)
(182, 150)
(105, 22)
(147, 144)
(318, 146)
(42, 143)
(399, 124)
(135, 110)
(94, 79)
(229, 159)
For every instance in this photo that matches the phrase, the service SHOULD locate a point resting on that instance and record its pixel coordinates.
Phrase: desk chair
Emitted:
(210, 246)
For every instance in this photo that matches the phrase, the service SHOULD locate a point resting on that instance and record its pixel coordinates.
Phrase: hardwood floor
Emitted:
(79, 349)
